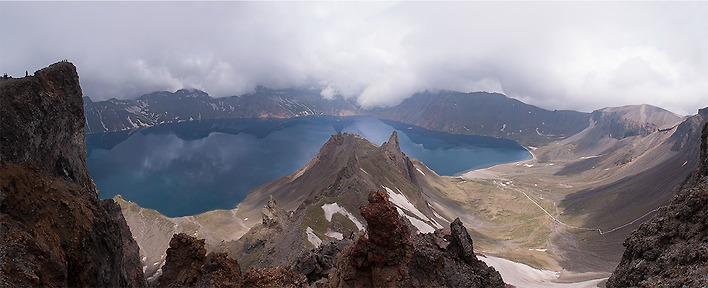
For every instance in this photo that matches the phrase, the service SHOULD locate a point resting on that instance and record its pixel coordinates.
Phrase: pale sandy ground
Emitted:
(522, 275)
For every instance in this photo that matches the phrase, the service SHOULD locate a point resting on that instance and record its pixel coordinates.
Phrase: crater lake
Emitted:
(192, 167)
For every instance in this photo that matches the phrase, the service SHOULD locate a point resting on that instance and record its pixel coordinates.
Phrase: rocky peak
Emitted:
(42, 122)
(393, 152)
(460, 242)
(385, 228)
(634, 120)
(54, 231)
(380, 257)
(273, 216)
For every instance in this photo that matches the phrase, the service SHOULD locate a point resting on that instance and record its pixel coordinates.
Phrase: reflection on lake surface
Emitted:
(193, 167)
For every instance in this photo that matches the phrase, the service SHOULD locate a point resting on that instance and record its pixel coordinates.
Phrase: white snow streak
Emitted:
(400, 200)
(419, 224)
(421, 171)
(335, 235)
(313, 238)
(333, 208)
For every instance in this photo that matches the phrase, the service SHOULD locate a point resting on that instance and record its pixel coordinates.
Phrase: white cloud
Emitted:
(571, 55)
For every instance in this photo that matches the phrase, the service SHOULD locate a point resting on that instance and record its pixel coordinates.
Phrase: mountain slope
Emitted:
(488, 114)
(54, 231)
(153, 231)
(670, 250)
(189, 104)
(632, 177)
(322, 200)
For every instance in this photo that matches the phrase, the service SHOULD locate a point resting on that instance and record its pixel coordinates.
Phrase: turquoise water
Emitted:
(193, 167)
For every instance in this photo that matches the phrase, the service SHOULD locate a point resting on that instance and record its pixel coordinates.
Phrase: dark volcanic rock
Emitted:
(389, 256)
(42, 123)
(380, 257)
(446, 258)
(53, 229)
(671, 250)
(273, 277)
(319, 262)
(188, 266)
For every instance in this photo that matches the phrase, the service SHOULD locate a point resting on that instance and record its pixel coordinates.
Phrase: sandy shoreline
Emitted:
(488, 173)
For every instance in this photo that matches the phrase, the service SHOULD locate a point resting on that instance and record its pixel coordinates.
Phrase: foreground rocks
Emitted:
(188, 266)
(54, 231)
(388, 255)
(671, 250)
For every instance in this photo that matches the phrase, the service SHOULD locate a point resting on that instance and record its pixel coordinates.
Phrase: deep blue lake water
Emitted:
(193, 167)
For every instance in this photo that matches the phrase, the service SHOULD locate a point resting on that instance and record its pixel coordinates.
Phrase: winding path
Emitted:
(585, 228)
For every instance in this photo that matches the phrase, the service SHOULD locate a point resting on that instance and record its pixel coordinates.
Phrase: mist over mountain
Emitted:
(358, 213)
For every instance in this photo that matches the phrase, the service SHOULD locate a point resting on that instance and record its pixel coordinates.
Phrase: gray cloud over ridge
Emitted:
(563, 55)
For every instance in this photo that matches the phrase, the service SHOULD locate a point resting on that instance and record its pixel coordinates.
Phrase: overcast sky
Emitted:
(566, 55)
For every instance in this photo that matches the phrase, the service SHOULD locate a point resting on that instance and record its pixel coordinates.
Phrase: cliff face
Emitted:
(671, 250)
(54, 231)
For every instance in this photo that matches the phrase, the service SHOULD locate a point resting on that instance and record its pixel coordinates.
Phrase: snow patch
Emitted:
(132, 124)
(417, 223)
(313, 238)
(589, 157)
(133, 109)
(421, 171)
(522, 275)
(335, 235)
(333, 208)
(400, 200)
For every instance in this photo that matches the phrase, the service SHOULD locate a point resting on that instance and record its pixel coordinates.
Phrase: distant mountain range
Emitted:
(478, 113)
(189, 105)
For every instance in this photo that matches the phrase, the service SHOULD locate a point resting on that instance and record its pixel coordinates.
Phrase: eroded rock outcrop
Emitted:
(380, 257)
(188, 266)
(54, 231)
(671, 250)
(446, 258)
(389, 256)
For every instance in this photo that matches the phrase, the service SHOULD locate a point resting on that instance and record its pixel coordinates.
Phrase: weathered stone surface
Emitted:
(53, 229)
(389, 256)
(188, 266)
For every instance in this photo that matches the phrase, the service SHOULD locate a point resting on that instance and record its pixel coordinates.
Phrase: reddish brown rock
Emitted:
(389, 256)
(54, 231)
(273, 277)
